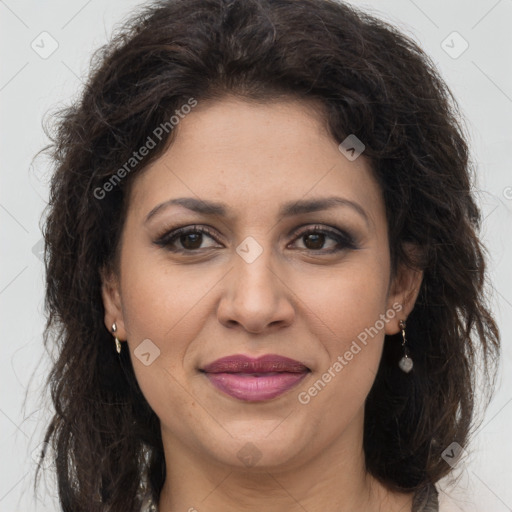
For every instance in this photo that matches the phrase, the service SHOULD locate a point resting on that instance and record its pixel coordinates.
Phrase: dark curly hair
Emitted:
(374, 82)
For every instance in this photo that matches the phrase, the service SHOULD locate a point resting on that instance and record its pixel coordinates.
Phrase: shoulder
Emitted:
(148, 505)
(426, 500)
(449, 504)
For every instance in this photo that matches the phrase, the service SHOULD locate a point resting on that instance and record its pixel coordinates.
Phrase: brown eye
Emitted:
(316, 239)
(191, 240)
(187, 239)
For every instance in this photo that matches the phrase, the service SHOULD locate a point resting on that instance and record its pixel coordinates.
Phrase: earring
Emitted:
(118, 343)
(405, 363)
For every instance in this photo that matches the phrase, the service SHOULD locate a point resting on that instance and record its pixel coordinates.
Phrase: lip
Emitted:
(255, 379)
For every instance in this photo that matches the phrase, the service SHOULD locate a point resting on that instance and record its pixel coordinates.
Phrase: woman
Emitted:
(263, 267)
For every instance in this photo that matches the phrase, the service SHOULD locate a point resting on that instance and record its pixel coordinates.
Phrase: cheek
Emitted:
(157, 303)
(347, 300)
(346, 317)
(155, 312)
(167, 305)
(160, 298)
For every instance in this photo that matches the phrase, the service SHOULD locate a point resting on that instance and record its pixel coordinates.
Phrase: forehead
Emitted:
(252, 156)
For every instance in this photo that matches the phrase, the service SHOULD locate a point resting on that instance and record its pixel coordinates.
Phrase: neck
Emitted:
(335, 480)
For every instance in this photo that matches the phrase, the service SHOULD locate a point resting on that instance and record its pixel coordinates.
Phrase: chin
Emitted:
(261, 445)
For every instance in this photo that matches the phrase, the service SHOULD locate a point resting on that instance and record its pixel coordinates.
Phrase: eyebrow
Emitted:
(290, 209)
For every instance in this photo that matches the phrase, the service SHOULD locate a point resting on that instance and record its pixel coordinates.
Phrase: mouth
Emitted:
(255, 380)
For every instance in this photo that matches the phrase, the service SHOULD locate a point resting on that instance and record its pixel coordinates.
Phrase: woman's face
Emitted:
(261, 178)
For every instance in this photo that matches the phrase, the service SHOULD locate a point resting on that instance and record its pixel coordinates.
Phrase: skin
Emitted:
(295, 299)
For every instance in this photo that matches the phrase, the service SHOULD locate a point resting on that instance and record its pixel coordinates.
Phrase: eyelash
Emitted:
(343, 239)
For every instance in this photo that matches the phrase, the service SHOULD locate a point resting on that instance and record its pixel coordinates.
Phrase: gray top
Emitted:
(425, 500)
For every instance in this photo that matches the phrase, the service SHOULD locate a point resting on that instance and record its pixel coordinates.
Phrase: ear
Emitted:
(110, 293)
(404, 290)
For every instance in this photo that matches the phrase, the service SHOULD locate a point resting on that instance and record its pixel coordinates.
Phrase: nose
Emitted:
(256, 296)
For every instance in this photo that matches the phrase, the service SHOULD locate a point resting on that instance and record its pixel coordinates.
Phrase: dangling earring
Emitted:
(118, 343)
(405, 363)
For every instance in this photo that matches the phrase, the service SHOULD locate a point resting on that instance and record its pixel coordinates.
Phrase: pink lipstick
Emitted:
(255, 380)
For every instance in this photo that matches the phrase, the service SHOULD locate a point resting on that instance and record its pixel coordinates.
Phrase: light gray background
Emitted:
(480, 78)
